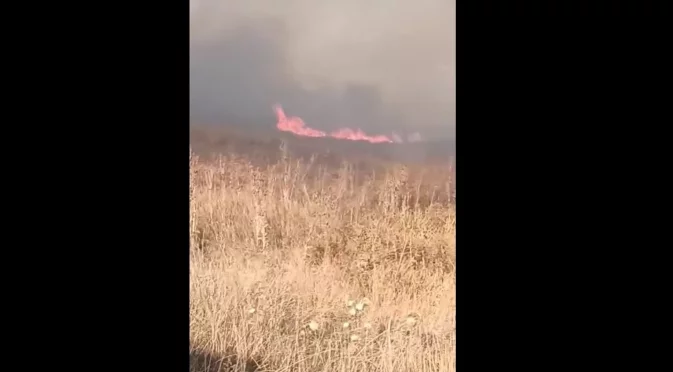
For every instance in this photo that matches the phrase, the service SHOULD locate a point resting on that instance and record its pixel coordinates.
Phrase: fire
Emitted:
(297, 126)
(358, 135)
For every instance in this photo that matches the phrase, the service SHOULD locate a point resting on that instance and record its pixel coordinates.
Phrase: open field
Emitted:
(263, 143)
(300, 266)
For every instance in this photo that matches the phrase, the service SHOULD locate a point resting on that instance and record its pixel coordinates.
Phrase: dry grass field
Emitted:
(300, 267)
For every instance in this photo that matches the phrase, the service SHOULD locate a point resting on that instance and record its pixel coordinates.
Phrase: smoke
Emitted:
(380, 65)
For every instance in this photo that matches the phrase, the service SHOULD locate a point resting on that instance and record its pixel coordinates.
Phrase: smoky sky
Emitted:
(380, 65)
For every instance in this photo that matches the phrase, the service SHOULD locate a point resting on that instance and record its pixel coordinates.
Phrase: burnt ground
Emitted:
(264, 145)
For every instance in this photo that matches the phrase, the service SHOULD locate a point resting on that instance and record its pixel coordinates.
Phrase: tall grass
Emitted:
(297, 268)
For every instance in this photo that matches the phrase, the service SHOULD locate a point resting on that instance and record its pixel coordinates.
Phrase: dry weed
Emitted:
(295, 268)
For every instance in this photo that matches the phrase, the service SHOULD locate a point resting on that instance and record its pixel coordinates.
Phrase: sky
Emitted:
(380, 65)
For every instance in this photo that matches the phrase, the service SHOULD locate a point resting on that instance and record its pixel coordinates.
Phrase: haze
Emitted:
(380, 65)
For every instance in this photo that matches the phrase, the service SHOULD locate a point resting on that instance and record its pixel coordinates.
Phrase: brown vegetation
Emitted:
(299, 267)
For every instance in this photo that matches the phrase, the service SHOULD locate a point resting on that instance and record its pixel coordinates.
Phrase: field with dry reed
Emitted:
(297, 267)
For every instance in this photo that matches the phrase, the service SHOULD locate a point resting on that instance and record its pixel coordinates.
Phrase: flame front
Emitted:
(297, 126)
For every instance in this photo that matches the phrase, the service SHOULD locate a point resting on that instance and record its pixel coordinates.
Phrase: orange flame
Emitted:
(297, 126)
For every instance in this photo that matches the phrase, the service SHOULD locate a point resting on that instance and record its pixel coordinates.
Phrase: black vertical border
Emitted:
(565, 167)
(97, 119)
(141, 95)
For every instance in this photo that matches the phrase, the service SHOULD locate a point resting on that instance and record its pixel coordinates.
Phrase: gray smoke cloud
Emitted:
(380, 65)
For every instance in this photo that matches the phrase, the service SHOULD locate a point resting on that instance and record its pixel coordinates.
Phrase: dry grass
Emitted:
(283, 257)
